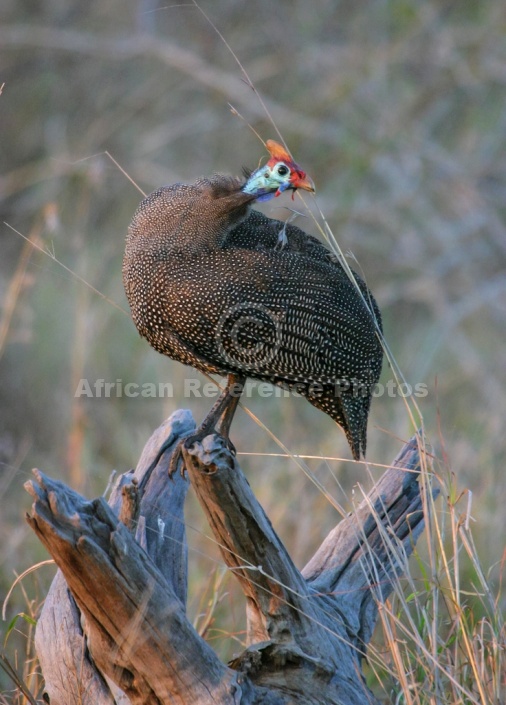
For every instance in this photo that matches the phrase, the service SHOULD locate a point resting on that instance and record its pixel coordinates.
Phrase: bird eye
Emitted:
(283, 170)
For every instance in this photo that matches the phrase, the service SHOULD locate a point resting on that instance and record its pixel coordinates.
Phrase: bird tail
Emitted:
(354, 412)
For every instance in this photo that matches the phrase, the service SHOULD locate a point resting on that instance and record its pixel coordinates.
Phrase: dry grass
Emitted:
(442, 638)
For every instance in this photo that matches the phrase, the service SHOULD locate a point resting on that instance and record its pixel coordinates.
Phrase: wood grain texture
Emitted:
(307, 630)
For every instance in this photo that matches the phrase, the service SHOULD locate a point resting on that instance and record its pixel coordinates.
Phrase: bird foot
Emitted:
(176, 461)
(217, 421)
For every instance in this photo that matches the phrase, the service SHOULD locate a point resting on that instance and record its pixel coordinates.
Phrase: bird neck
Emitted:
(188, 219)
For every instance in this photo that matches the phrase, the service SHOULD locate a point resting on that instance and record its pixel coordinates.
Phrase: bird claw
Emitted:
(176, 459)
(230, 446)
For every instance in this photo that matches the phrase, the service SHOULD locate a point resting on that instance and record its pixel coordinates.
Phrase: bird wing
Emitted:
(277, 315)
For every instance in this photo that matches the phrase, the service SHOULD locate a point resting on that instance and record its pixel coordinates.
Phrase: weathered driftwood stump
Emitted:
(114, 626)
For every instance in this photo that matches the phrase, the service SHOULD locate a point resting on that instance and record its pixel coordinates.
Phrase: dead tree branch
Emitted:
(307, 631)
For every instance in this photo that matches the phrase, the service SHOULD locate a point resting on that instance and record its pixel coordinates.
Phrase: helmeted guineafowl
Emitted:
(210, 284)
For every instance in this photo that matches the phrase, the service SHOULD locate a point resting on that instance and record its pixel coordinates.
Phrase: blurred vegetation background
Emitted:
(396, 108)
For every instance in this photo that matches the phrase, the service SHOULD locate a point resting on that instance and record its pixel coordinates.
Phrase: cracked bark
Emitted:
(114, 626)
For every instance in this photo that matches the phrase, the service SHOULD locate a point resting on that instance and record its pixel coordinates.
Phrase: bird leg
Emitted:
(218, 420)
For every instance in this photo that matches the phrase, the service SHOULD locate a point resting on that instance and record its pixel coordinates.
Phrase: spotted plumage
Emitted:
(208, 285)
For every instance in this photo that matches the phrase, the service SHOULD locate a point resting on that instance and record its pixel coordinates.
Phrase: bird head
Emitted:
(279, 174)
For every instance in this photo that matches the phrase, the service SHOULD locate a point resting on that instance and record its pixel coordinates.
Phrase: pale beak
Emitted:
(302, 181)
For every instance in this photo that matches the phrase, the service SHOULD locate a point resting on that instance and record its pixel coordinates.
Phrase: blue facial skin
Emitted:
(264, 186)
(267, 195)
